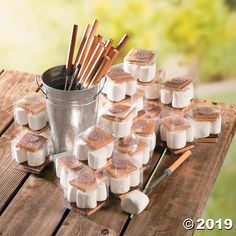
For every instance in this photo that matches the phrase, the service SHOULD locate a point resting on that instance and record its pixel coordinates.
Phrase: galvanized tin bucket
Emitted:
(69, 112)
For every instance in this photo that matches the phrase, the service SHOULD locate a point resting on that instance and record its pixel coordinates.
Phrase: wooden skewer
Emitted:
(122, 42)
(95, 67)
(71, 47)
(89, 53)
(88, 41)
(113, 54)
(95, 42)
(98, 76)
(108, 46)
(99, 49)
(70, 54)
(100, 72)
(78, 56)
(84, 37)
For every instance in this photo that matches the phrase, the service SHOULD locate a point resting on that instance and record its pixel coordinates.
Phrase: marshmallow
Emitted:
(39, 157)
(131, 87)
(180, 99)
(147, 73)
(135, 178)
(190, 133)
(31, 148)
(38, 121)
(176, 131)
(67, 167)
(178, 91)
(86, 189)
(20, 155)
(163, 133)
(207, 120)
(94, 145)
(166, 96)
(130, 147)
(120, 185)
(140, 64)
(142, 73)
(176, 139)
(151, 89)
(117, 120)
(122, 174)
(152, 112)
(21, 116)
(144, 131)
(101, 192)
(135, 100)
(115, 92)
(216, 126)
(190, 91)
(71, 193)
(134, 202)
(119, 84)
(133, 69)
(86, 199)
(149, 139)
(202, 129)
(31, 110)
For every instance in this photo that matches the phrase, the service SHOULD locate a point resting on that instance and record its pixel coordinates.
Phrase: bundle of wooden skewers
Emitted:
(93, 59)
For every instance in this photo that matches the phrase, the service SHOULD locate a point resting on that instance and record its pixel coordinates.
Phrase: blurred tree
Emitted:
(202, 29)
(37, 33)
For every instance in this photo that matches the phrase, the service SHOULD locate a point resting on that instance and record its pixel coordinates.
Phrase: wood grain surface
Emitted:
(10, 177)
(13, 85)
(110, 217)
(185, 193)
(36, 209)
(34, 205)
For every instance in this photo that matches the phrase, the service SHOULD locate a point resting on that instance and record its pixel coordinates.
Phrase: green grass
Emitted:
(221, 203)
(229, 97)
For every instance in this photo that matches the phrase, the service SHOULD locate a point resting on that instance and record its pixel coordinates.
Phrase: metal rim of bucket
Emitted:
(38, 77)
(71, 104)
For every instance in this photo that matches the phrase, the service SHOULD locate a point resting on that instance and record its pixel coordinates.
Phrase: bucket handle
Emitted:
(39, 86)
(101, 88)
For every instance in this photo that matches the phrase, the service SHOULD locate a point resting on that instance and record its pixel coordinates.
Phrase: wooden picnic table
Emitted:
(34, 205)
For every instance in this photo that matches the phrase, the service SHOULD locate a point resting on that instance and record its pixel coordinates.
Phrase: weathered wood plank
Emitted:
(10, 177)
(76, 225)
(185, 193)
(13, 85)
(36, 209)
(110, 217)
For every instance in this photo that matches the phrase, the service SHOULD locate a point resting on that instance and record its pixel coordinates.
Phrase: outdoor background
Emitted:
(198, 36)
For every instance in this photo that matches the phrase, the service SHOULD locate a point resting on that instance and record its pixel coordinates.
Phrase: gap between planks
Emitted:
(2, 132)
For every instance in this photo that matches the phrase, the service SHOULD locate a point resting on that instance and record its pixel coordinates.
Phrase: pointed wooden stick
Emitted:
(71, 49)
(96, 54)
(98, 76)
(113, 54)
(84, 37)
(94, 67)
(108, 46)
(88, 41)
(100, 72)
(88, 55)
(122, 42)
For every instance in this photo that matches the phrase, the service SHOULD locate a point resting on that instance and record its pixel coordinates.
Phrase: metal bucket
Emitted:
(69, 112)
